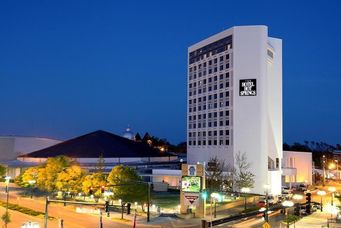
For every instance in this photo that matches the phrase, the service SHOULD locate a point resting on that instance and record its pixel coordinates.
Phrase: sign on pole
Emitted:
(266, 225)
(191, 199)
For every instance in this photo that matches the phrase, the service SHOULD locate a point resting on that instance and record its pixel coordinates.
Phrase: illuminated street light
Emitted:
(297, 197)
(321, 193)
(332, 190)
(245, 190)
(7, 178)
(287, 204)
(31, 182)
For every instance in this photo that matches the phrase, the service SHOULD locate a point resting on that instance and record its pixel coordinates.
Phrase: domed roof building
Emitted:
(128, 134)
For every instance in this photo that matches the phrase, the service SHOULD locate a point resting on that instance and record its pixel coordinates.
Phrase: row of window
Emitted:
(210, 62)
(205, 72)
(209, 115)
(210, 97)
(193, 91)
(211, 49)
(209, 106)
(209, 142)
(209, 133)
(209, 80)
(209, 124)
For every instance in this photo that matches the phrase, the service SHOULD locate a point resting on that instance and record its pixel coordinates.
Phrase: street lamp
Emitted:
(324, 168)
(321, 193)
(7, 178)
(31, 182)
(214, 197)
(245, 190)
(267, 187)
(332, 190)
(287, 204)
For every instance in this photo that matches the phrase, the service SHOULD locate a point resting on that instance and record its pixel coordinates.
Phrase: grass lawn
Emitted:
(166, 199)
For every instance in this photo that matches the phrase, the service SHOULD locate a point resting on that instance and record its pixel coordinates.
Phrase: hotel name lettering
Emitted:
(247, 87)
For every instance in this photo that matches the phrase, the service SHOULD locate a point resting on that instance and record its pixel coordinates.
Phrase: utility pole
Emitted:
(46, 211)
(324, 168)
(148, 203)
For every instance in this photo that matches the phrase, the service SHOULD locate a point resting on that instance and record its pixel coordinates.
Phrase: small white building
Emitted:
(297, 168)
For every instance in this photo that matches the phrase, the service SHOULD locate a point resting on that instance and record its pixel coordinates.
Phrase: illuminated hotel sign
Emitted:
(247, 87)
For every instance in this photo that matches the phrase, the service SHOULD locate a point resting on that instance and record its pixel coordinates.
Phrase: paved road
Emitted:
(68, 214)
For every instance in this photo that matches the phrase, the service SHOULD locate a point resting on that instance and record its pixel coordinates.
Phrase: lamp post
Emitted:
(332, 190)
(267, 187)
(245, 191)
(321, 193)
(287, 204)
(7, 178)
(337, 168)
(31, 182)
(324, 169)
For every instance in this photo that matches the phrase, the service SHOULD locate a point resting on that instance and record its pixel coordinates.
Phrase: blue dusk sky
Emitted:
(71, 67)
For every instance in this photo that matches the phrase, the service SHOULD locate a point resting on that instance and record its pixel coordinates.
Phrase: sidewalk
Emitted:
(315, 220)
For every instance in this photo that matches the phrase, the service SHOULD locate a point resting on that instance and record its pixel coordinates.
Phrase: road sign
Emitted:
(266, 225)
(191, 199)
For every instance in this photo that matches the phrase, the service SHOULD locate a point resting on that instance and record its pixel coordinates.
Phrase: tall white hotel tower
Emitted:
(235, 102)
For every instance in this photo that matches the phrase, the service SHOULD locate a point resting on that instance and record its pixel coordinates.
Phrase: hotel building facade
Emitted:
(234, 102)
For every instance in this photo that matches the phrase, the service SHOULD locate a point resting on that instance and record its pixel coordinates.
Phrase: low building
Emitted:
(87, 149)
(297, 168)
(13, 146)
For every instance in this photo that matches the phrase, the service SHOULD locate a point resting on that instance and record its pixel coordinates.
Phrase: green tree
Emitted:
(2, 170)
(94, 181)
(127, 185)
(70, 179)
(6, 218)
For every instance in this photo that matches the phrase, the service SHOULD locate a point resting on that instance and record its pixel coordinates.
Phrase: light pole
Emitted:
(332, 190)
(321, 193)
(267, 187)
(7, 178)
(245, 191)
(324, 168)
(337, 168)
(31, 182)
(287, 204)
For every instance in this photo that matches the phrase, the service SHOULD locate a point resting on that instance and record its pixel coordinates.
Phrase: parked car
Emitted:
(286, 190)
(302, 188)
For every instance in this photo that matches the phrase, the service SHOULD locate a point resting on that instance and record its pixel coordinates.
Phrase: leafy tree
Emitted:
(29, 174)
(214, 174)
(53, 167)
(127, 185)
(94, 181)
(6, 218)
(100, 164)
(70, 179)
(2, 170)
(243, 177)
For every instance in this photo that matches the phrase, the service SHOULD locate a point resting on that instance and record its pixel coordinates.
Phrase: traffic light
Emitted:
(308, 206)
(308, 197)
(106, 206)
(102, 189)
(204, 195)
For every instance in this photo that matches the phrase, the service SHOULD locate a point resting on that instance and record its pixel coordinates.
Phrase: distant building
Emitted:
(114, 149)
(297, 168)
(235, 102)
(13, 146)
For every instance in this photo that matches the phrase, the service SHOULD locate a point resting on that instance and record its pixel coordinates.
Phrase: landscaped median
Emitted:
(24, 210)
